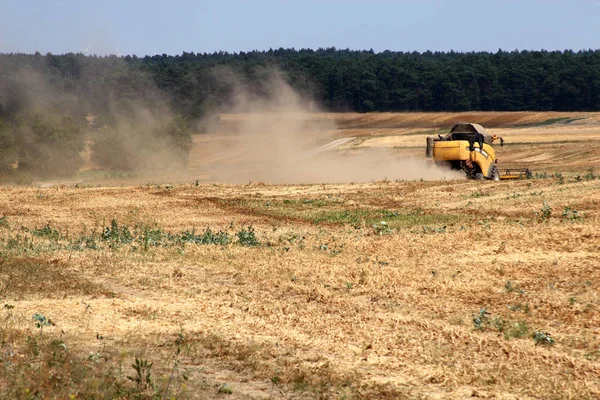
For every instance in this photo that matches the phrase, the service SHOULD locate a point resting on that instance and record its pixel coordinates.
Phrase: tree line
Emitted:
(339, 80)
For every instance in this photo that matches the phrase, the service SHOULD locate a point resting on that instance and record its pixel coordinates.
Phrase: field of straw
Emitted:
(389, 289)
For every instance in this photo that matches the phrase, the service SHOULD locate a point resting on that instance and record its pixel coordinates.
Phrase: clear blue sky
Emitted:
(143, 27)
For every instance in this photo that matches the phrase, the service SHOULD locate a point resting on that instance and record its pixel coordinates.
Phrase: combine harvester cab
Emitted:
(467, 147)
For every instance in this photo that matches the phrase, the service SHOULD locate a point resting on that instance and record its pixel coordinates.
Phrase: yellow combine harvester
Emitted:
(469, 148)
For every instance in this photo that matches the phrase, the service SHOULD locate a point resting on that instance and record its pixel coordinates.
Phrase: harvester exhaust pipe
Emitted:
(429, 151)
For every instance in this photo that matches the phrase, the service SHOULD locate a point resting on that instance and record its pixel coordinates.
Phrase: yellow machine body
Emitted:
(459, 150)
(466, 147)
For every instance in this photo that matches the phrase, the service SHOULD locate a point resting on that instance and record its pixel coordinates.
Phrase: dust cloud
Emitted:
(283, 138)
(268, 132)
(24, 89)
(126, 128)
(139, 139)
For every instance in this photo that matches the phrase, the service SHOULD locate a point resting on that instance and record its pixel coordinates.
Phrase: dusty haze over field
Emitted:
(279, 140)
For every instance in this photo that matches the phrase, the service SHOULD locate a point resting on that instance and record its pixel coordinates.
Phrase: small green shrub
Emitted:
(519, 329)
(572, 300)
(590, 174)
(520, 307)
(382, 228)
(481, 321)
(545, 212)
(41, 321)
(569, 214)
(247, 237)
(85, 242)
(485, 224)
(427, 229)
(47, 232)
(225, 389)
(542, 338)
(116, 234)
(560, 178)
(510, 287)
(143, 375)
(208, 237)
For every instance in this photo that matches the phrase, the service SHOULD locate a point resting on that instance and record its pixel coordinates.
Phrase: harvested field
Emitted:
(558, 142)
(409, 289)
